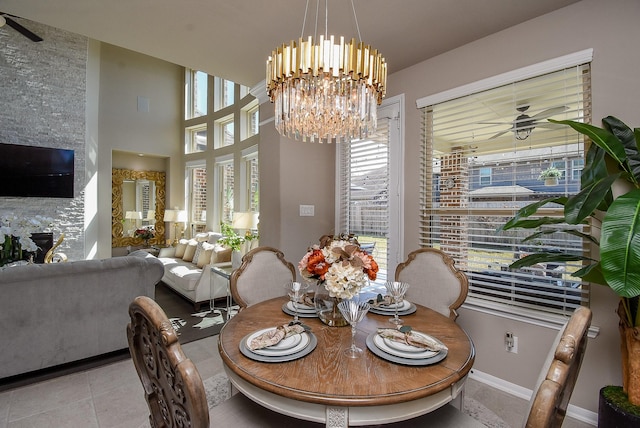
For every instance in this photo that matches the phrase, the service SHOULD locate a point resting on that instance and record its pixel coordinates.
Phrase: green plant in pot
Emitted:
(230, 238)
(609, 199)
(550, 176)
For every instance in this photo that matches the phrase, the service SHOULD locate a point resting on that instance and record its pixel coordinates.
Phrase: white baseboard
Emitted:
(578, 413)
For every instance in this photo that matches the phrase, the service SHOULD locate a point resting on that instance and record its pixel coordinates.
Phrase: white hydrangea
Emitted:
(344, 282)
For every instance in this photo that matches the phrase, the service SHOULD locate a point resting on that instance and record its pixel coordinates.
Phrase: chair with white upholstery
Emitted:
(433, 281)
(261, 276)
(550, 398)
(172, 385)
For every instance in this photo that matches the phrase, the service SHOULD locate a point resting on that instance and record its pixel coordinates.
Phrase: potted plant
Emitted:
(234, 241)
(550, 176)
(609, 198)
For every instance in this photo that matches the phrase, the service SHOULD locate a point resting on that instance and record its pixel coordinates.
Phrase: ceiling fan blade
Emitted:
(499, 134)
(549, 125)
(550, 112)
(496, 123)
(22, 30)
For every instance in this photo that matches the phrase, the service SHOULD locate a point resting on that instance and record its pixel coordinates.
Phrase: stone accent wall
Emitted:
(43, 100)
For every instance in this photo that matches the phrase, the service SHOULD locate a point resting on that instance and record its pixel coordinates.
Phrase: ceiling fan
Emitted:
(8, 19)
(524, 124)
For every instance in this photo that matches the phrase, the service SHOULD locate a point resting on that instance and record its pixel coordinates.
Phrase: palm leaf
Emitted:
(585, 203)
(629, 141)
(620, 245)
(536, 258)
(529, 210)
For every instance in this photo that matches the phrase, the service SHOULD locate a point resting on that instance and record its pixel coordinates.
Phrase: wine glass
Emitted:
(353, 311)
(396, 290)
(295, 290)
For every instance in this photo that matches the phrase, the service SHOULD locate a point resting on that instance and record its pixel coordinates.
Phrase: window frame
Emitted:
(568, 61)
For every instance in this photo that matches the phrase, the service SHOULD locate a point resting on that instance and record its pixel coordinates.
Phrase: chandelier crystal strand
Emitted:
(326, 91)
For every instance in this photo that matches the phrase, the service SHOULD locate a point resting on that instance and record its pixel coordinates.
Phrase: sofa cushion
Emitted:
(190, 250)
(181, 274)
(220, 254)
(202, 237)
(199, 250)
(181, 247)
(205, 254)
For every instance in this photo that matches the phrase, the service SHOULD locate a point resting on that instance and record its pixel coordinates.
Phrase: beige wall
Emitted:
(124, 75)
(611, 29)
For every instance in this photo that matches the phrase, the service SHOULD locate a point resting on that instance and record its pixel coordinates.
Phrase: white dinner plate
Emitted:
(420, 355)
(402, 306)
(403, 347)
(276, 350)
(301, 308)
(439, 356)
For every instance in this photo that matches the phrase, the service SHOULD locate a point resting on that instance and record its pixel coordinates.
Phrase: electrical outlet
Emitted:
(510, 342)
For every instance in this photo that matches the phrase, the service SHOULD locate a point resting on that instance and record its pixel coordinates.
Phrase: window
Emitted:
(196, 139)
(225, 132)
(197, 207)
(251, 120)
(196, 94)
(504, 127)
(251, 177)
(225, 95)
(225, 199)
(368, 193)
(485, 176)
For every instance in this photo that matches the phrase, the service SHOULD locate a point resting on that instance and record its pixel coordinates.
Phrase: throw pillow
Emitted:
(220, 254)
(198, 251)
(202, 237)
(190, 251)
(205, 254)
(182, 245)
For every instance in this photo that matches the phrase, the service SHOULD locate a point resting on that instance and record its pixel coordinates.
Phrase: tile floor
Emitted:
(111, 396)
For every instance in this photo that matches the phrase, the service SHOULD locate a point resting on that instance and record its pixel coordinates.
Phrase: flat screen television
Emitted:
(36, 171)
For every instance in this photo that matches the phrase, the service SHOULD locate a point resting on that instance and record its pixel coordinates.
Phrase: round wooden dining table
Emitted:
(328, 387)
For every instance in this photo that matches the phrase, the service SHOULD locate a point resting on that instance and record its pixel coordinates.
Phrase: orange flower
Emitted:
(372, 272)
(317, 265)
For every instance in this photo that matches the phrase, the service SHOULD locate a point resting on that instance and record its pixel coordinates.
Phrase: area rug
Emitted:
(217, 390)
(190, 324)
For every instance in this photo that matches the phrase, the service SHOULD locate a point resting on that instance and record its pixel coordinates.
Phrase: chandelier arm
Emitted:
(355, 17)
(326, 18)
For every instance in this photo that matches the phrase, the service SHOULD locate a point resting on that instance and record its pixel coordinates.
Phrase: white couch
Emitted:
(191, 276)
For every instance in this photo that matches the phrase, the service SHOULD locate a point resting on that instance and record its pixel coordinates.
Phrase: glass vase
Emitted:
(327, 307)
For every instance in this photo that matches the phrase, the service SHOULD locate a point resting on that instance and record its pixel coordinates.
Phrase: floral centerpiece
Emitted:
(341, 269)
(145, 234)
(15, 236)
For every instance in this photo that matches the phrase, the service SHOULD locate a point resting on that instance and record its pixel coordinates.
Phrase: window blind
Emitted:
(364, 189)
(483, 156)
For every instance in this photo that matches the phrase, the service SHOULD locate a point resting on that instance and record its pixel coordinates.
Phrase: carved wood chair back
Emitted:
(172, 385)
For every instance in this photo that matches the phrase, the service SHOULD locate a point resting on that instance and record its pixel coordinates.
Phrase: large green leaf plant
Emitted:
(609, 198)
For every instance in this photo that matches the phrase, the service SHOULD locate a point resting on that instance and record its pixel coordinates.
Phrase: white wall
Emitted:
(611, 29)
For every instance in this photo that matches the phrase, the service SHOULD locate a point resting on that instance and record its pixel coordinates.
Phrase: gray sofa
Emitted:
(58, 313)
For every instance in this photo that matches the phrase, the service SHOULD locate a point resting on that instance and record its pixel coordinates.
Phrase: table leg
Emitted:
(337, 417)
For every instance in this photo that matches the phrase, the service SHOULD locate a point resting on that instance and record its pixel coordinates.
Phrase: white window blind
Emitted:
(482, 157)
(364, 192)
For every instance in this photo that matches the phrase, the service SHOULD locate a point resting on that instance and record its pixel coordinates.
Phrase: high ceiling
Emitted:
(232, 38)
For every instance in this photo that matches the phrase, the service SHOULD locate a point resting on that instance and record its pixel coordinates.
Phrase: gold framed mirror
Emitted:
(149, 191)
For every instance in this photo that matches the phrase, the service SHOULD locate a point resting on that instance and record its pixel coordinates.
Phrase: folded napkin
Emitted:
(307, 299)
(274, 336)
(381, 300)
(411, 339)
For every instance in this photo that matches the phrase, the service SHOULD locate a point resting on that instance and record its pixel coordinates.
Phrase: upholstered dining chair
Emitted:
(433, 281)
(261, 276)
(172, 385)
(550, 398)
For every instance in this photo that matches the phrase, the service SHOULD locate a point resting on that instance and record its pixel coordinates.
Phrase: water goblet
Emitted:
(353, 311)
(295, 290)
(396, 290)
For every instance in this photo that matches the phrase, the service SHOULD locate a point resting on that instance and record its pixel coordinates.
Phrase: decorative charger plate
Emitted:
(307, 337)
(371, 344)
(289, 345)
(407, 309)
(302, 312)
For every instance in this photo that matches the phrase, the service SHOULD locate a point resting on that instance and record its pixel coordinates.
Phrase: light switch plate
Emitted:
(307, 210)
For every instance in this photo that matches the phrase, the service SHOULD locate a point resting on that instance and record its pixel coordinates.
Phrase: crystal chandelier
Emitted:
(326, 91)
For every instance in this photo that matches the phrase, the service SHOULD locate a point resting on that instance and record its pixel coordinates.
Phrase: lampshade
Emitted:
(326, 91)
(170, 215)
(133, 215)
(151, 215)
(245, 220)
(181, 216)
